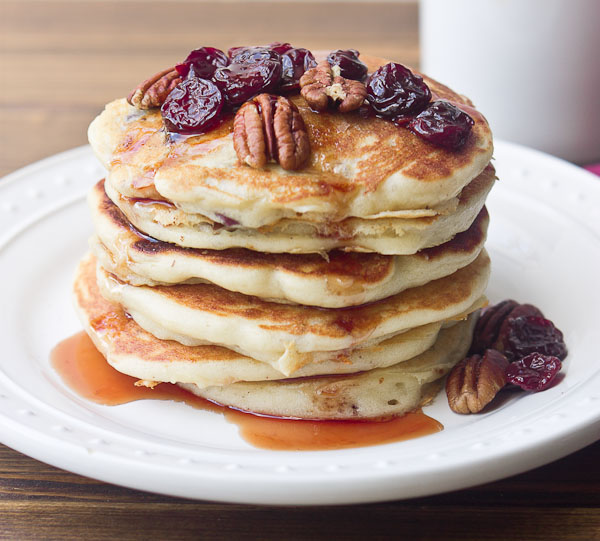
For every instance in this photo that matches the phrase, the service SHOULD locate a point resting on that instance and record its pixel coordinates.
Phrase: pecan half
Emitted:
(153, 92)
(323, 86)
(475, 381)
(270, 128)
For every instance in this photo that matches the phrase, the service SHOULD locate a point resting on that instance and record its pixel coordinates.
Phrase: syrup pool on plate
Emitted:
(85, 370)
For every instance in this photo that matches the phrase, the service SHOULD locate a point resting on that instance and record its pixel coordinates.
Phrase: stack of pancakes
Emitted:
(342, 290)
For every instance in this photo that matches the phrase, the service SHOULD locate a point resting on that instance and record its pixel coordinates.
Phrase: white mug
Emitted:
(532, 67)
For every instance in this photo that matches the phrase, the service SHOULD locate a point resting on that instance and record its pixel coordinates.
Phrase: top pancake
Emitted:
(359, 167)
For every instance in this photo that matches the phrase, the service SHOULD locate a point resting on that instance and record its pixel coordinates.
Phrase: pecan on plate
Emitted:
(323, 86)
(488, 325)
(475, 381)
(153, 92)
(494, 321)
(270, 128)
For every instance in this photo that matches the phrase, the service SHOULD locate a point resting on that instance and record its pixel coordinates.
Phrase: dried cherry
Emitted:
(526, 334)
(240, 82)
(294, 62)
(204, 62)
(525, 310)
(251, 55)
(534, 372)
(193, 106)
(350, 66)
(442, 124)
(226, 220)
(494, 320)
(395, 92)
(279, 47)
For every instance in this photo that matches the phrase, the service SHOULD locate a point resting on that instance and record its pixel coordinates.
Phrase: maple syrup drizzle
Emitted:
(85, 370)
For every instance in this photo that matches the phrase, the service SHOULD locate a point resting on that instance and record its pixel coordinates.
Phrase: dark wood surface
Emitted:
(556, 502)
(59, 63)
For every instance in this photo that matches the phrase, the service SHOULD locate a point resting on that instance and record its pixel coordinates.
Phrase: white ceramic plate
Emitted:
(545, 245)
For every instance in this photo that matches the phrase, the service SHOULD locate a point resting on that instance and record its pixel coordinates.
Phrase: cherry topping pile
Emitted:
(532, 345)
(393, 91)
(396, 93)
(237, 76)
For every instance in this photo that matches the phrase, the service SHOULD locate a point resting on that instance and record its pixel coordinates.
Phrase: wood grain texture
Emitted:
(556, 502)
(59, 63)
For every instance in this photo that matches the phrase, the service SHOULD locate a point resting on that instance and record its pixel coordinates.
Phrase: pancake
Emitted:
(344, 290)
(343, 279)
(390, 236)
(290, 336)
(383, 392)
(133, 351)
(243, 383)
(361, 167)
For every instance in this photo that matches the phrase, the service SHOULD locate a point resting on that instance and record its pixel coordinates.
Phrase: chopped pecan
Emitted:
(475, 381)
(153, 92)
(324, 86)
(270, 128)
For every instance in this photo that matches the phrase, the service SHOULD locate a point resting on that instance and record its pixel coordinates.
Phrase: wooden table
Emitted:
(60, 62)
